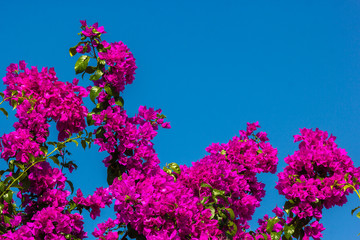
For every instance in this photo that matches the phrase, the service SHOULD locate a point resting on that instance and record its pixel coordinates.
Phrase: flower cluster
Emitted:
(50, 223)
(157, 206)
(232, 168)
(122, 65)
(128, 140)
(316, 174)
(91, 31)
(40, 98)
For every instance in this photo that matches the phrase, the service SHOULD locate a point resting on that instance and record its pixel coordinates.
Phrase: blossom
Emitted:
(316, 174)
(92, 31)
(122, 63)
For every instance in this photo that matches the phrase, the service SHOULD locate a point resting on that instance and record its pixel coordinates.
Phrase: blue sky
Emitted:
(213, 66)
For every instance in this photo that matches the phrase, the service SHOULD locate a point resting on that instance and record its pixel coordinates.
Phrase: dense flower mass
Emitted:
(316, 174)
(48, 224)
(44, 203)
(122, 65)
(232, 168)
(41, 97)
(128, 140)
(157, 205)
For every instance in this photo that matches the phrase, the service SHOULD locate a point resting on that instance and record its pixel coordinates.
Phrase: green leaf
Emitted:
(6, 218)
(81, 64)
(60, 145)
(44, 149)
(2, 94)
(100, 48)
(358, 215)
(52, 143)
(119, 101)
(233, 228)
(275, 235)
(55, 160)
(212, 209)
(96, 76)
(25, 182)
(100, 132)
(346, 187)
(108, 90)
(223, 197)
(101, 62)
(11, 165)
(206, 185)
(15, 185)
(223, 152)
(231, 213)
(352, 211)
(19, 165)
(113, 172)
(90, 69)
(5, 112)
(23, 176)
(289, 230)
(221, 215)
(8, 179)
(89, 119)
(288, 206)
(265, 236)
(175, 167)
(271, 223)
(83, 144)
(72, 205)
(14, 104)
(71, 186)
(217, 192)
(94, 92)
(32, 158)
(167, 170)
(72, 51)
(8, 196)
(74, 141)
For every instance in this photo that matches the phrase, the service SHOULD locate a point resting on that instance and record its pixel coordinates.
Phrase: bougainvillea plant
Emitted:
(215, 198)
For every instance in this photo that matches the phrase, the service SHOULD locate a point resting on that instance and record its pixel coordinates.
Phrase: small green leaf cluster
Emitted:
(15, 100)
(224, 215)
(172, 169)
(94, 43)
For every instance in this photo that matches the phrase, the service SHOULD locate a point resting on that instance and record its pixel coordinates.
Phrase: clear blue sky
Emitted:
(212, 66)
